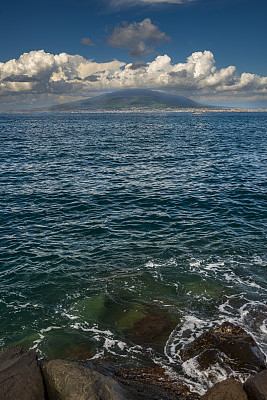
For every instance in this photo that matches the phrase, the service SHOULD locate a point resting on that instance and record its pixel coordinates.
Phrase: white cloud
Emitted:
(39, 74)
(129, 3)
(137, 37)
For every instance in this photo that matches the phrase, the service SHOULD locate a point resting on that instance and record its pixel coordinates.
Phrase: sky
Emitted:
(212, 51)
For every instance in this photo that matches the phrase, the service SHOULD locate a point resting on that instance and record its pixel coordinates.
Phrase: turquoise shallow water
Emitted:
(105, 217)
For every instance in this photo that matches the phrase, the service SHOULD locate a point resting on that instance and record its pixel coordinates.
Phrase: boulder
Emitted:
(256, 386)
(229, 389)
(228, 346)
(68, 380)
(20, 375)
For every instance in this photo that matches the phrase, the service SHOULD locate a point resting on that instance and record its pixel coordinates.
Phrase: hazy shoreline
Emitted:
(141, 111)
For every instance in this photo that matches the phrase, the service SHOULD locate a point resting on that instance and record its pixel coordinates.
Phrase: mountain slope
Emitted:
(127, 99)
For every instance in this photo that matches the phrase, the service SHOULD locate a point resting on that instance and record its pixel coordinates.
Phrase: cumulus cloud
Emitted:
(87, 41)
(38, 74)
(137, 37)
(138, 64)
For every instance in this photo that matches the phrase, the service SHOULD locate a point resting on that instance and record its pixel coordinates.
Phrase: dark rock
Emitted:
(67, 380)
(76, 352)
(152, 330)
(79, 381)
(139, 390)
(20, 375)
(229, 346)
(154, 379)
(256, 316)
(146, 383)
(230, 389)
(256, 386)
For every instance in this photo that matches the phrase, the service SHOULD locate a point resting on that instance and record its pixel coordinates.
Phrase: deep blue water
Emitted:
(106, 216)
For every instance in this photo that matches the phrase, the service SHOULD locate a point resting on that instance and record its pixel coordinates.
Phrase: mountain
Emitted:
(128, 99)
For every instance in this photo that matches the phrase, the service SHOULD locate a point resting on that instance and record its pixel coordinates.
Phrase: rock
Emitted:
(228, 346)
(140, 390)
(20, 375)
(146, 383)
(152, 330)
(154, 379)
(97, 380)
(67, 380)
(230, 389)
(256, 386)
(75, 352)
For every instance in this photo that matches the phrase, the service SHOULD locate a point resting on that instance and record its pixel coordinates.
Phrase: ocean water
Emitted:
(108, 218)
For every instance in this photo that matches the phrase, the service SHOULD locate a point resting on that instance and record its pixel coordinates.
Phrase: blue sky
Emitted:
(138, 34)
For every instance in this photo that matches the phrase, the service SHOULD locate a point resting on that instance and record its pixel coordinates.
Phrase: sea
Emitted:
(107, 219)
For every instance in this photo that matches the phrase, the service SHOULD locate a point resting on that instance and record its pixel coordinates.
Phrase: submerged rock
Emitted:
(20, 375)
(152, 330)
(130, 317)
(229, 347)
(229, 389)
(67, 380)
(76, 352)
(256, 386)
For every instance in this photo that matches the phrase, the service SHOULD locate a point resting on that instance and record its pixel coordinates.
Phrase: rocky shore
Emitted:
(227, 347)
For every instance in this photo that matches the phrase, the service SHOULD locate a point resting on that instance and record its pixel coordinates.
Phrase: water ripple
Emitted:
(106, 213)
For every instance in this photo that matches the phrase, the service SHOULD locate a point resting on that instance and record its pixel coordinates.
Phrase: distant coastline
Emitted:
(194, 111)
(136, 101)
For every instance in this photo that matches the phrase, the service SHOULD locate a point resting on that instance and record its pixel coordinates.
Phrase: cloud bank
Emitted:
(38, 73)
(136, 37)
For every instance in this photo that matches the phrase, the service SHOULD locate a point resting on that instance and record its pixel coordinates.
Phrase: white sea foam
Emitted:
(45, 330)
(233, 278)
(107, 341)
(205, 378)
(41, 334)
(198, 379)
(263, 327)
(251, 316)
(154, 269)
(111, 343)
(98, 355)
(194, 264)
(191, 328)
(16, 305)
(213, 266)
(86, 328)
(150, 264)
(68, 315)
(225, 271)
(226, 308)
